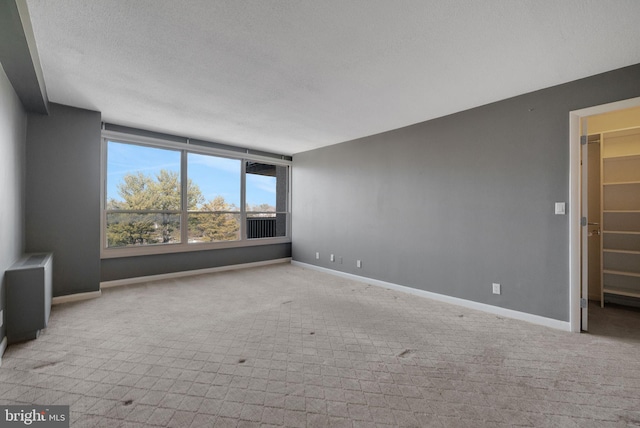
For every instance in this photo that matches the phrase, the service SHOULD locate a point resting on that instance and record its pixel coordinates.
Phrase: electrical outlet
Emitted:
(317, 256)
(332, 258)
(496, 288)
(359, 263)
(340, 260)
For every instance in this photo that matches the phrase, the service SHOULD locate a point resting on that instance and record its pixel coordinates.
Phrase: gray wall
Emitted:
(13, 127)
(456, 203)
(132, 267)
(63, 195)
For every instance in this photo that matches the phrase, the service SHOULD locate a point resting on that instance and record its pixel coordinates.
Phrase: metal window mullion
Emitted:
(184, 178)
(289, 201)
(212, 212)
(243, 204)
(103, 194)
(143, 211)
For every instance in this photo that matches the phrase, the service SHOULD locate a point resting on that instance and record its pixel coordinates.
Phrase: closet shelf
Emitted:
(620, 291)
(613, 250)
(620, 210)
(621, 273)
(620, 183)
(622, 157)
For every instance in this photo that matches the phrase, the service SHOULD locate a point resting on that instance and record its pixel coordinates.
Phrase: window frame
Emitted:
(185, 148)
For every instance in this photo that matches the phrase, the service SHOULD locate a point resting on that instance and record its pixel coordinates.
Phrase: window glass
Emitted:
(266, 200)
(133, 170)
(143, 195)
(213, 191)
(129, 229)
(147, 203)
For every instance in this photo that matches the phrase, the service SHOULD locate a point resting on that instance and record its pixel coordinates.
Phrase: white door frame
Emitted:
(575, 118)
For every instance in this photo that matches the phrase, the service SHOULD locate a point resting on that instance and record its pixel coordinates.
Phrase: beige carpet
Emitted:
(286, 346)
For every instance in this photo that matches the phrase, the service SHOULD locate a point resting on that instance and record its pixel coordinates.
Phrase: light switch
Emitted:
(560, 208)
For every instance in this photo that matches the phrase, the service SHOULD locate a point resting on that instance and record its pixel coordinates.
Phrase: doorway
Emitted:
(588, 213)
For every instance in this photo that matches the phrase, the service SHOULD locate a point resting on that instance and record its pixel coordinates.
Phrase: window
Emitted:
(214, 198)
(143, 195)
(162, 198)
(266, 200)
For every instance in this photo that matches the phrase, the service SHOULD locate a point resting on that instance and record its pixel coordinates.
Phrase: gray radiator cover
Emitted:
(29, 292)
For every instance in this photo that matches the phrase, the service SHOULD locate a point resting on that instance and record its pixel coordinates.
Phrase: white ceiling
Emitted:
(288, 76)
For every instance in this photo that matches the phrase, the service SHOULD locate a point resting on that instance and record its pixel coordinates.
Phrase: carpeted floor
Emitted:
(285, 346)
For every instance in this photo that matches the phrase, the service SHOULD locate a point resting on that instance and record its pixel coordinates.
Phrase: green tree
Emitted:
(212, 225)
(129, 229)
(136, 191)
(141, 192)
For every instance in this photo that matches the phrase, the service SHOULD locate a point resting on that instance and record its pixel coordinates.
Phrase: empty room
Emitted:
(319, 214)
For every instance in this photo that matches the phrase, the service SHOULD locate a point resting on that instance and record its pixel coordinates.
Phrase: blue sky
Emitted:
(214, 175)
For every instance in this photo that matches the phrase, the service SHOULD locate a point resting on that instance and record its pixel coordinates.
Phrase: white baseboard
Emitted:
(76, 297)
(173, 275)
(3, 347)
(509, 313)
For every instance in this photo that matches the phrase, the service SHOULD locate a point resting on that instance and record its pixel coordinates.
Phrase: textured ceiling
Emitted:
(289, 76)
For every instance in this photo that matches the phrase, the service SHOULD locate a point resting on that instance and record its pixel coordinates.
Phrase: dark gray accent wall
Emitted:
(13, 131)
(132, 267)
(454, 204)
(63, 195)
